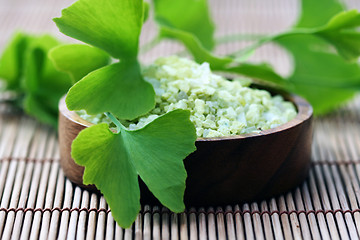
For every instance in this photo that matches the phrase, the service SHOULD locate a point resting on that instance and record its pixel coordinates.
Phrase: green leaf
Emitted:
(42, 83)
(324, 78)
(195, 47)
(42, 108)
(346, 43)
(27, 69)
(107, 166)
(158, 151)
(40, 73)
(317, 13)
(189, 22)
(146, 7)
(341, 32)
(78, 60)
(191, 16)
(111, 25)
(113, 160)
(12, 61)
(347, 19)
(321, 76)
(118, 88)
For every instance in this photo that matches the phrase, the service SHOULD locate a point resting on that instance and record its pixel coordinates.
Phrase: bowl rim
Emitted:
(304, 113)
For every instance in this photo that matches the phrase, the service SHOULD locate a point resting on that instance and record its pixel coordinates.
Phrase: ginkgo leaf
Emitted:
(118, 88)
(12, 61)
(40, 74)
(42, 84)
(324, 78)
(146, 7)
(191, 16)
(26, 68)
(347, 19)
(189, 22)
(78, 59)
(195, 47)
(107, 166)
(114, 160)
(44, 108)
(165, 142)
(113, 26)
(346, 43)
(317, 13)
(341, 33)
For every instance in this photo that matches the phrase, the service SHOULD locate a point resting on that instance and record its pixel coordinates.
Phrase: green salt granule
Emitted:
(218, 107)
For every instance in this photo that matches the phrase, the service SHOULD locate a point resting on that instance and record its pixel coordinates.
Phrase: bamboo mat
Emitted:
(37, 201)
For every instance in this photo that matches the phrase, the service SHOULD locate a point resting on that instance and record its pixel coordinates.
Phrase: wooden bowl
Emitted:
(225, 170)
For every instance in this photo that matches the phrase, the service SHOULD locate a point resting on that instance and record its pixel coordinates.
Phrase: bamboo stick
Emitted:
(165, 227)
(91, 227)
(147, 223)
(156, 229)
(211, 224)
(239, 224)
(203, 233)
(101, 221)
(193, 224)
(258, 229)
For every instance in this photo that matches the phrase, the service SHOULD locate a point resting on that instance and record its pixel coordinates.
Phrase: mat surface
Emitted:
(37, 201)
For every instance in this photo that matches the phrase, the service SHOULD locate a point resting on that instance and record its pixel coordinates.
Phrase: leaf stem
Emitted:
(247, 51)
(238, 37)
(117, 123)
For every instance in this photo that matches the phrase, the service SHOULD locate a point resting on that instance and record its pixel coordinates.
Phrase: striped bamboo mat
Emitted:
(37, 201)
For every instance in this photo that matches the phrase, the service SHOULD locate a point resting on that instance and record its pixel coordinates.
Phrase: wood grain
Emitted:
(225, 170)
